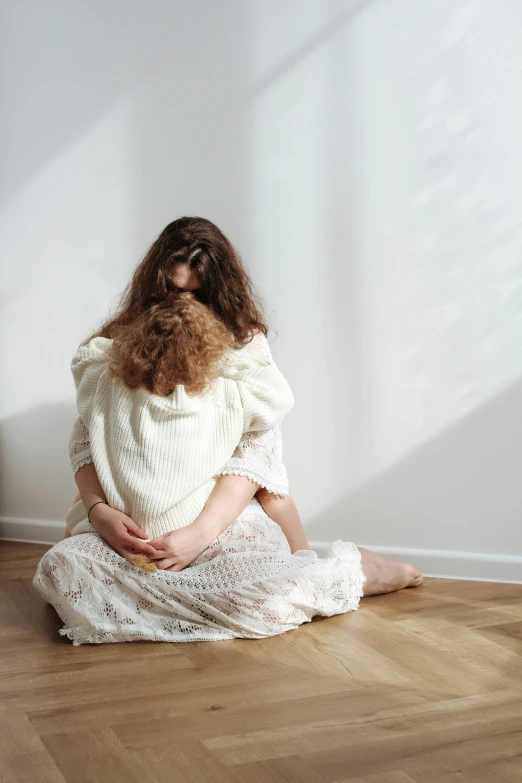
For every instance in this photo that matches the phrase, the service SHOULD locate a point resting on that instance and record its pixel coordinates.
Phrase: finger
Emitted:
(158, 543)
(160, 554)
(175, 567)
(131, 551)
(137, 546)
(128, 553)
(132, 527)
(165, 563)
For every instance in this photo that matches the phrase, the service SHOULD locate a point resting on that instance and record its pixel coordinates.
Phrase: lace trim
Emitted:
(349, 553)
(79, 463)
(79, 446)
(275, 489)
(258, 346)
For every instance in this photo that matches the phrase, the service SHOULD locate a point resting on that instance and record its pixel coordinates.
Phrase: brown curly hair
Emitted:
(163, 335)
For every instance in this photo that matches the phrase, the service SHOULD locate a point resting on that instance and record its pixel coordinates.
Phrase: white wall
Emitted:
(365, 158)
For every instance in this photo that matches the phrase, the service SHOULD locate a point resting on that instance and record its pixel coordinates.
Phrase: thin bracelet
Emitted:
(94, 504)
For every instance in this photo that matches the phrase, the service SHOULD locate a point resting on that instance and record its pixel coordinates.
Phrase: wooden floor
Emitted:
(420, 686)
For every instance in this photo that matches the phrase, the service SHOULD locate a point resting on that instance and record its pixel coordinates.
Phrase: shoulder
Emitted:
(97, 349)
(258, 346)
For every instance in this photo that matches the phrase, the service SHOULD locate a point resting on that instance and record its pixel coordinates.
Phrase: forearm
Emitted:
(284, 512)
(230, 497)
(89, 485)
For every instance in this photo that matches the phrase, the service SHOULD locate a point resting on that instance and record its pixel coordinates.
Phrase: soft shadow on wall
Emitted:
(460, 484)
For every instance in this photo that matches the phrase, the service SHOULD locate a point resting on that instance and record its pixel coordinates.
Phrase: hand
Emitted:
(119, 531)
(179, 548)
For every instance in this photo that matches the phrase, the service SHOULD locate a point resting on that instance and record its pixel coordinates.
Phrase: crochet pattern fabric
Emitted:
(246, 584)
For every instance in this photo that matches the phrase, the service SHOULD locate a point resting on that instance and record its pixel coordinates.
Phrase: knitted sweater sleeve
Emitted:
(79, 445)
(263, 390)
(79, 440)
(259, 454)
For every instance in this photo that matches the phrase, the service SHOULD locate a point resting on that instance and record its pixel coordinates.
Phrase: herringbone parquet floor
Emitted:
(420, 686)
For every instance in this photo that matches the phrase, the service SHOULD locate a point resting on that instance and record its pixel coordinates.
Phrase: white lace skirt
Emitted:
(246, 584)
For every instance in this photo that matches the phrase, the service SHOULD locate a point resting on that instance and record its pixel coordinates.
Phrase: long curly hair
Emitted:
(163, 335)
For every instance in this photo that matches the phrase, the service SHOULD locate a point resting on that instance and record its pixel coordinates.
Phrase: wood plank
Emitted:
(418, 686)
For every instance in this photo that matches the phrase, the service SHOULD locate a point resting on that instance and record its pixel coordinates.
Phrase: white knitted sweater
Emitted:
(158, 458)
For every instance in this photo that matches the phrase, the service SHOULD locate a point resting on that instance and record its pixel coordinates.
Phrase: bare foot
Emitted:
(384, 575)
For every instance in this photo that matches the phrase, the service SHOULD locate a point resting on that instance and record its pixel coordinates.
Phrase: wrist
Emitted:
(96, 503)
(96, 510)
(207, 526)
(90, 498)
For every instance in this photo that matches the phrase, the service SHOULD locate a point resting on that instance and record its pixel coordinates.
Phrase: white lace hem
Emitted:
(79, 463)
(275, 489)
(247, 584)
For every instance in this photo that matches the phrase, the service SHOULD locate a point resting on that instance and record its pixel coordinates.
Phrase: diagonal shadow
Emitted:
(457, 491)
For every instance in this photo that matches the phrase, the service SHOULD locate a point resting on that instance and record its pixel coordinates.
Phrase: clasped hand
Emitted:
(120, 531)
(179, 548)
(171, 552)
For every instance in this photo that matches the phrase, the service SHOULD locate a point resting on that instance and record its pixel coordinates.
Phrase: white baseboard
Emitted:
(450, 565)
(432, 562)
(31, 531)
